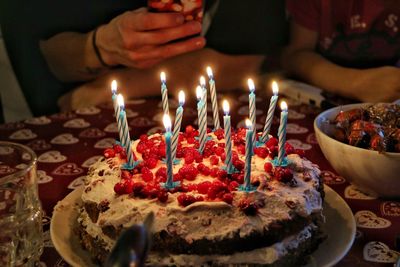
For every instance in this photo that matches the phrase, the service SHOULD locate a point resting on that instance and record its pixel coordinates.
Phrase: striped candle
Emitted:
(124, 131)
(202, 119)
(204, 98)
(177, 124)
(252, 107)
(271, 111)
(164, 93)
(282, 132)
(167, 124)
(114, 88)
(248, 155)
(228, 141)
(214, 103)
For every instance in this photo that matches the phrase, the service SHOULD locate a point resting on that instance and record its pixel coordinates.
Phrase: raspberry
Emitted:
(162, 196)
(219, 134)
(109, 153)
(151, 163)
(289, 149)
(162, 150)
(126, 174)
(177, 177)
(222, 174)
(185, 200)
(203, 187)
(122, 154)
(214, 160)
(189, 158)
(214, 172)
(233, 185)
(147, 175)
(151, 192)
(262, 152)
(238, 164)
(268, 167)
(143, 137)
(273, 151)
(272, 142)
(223, 157)
(300, 152)
(191, 187)
(119, 188)
(128, 186)
(190, 140)
(241, 149)
(118, 148)
(137, 189)
(228, 198)
(219, 151)
(238, 177)
(188, 172)
(161, 172)
(217, 189)
(248, 207)
(189, 130)
(284, 175)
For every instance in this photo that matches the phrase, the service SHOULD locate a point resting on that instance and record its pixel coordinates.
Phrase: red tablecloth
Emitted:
(68, 143)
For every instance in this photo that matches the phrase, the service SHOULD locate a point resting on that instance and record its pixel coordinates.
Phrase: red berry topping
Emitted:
(228, 198)
(147, 175)
(238, 164)
(189, 158)
(118, 148)
(300, 152)
(248, 207)
(119, 188)
(233, 186)
(151, 163)
(214, 160)
(284, 175)
(219, 134)
(109, 153)
(162, 196)
(289, 149)
(185, 200)
(217, 190)
(126, 174)
(188, 172)
(189, 130)
(272, 142)
(128, 186)
(268, 167)
(138, 190)
(222, 174)
(214, 172)
(262, 152)
(241, 149)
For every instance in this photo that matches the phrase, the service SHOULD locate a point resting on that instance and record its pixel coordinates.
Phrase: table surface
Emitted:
(68, 143)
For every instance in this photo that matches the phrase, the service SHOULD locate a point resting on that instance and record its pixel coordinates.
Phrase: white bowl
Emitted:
(375, 173)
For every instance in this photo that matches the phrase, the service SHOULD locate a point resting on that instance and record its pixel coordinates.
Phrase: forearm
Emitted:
(71, 57)
(315, 69)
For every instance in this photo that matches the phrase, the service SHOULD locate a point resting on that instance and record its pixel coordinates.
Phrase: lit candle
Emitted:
(202, 119)
(167, 124)
(249, 153)
(204, 98)
(114, 88)
(228, 141)
(177, 124)
(282, 132)
(214, 103)
(252, 106)
(164, 93)
(271, 110)
(124, 132)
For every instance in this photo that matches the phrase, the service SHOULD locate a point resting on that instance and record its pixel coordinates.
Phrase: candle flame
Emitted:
(120, 100)
(163, 77)
(251, 85)
(248, 124)
(202, 81)
(284, 106)
(210, 72)
(167, 122)
(275, 88)
(181, 97)
(225, 107)
(199, 93)
(114, 87)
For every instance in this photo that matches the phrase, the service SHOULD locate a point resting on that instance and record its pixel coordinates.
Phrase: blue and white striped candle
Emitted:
(248, 155)
(271, 111)
(177, 124)
(204, 98)
(282, 132)
(170, 176)
(214, 100)
(124, 131)
(114, 88)
(164, 93)
(252, 107)
(202, 119)
(228, 139)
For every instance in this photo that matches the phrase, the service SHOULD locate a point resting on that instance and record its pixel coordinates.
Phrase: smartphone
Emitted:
(191, 9)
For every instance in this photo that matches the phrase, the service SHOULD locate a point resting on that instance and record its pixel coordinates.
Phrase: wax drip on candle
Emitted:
(214, 103)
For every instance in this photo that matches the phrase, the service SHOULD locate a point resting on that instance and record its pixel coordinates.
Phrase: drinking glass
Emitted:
(21, 233)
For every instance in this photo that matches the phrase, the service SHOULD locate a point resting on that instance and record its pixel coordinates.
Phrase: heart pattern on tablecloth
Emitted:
(78, 182)
(105, 143)
(136, 101)
(12, 126)
(52, 156)
(92, 133)
(68, 169)
(159, 117)
(24, 134)
(43, 177)
(64, 139)
(113, 128)
(312, 139)
(43, 120)
(293, 128)
(294, 115)
(68, 115)
(390, 208)
(297, 144)
(6, 170)
(352, 192)
(157, 129)
(244, 111)
(172, 104)
(90, 161)
(142, 122)
(39, 144)
(130, 113)
(88, 111)
(6, 150)
(76, 123)
(368, 219)
(45, 220)
(379, 252)
(331, 179)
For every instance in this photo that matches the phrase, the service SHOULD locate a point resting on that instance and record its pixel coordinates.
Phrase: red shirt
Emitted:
(354, 33)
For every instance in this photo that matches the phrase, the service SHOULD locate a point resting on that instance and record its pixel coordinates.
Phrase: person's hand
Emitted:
(378, 84)
(85, 95)
(141, 39)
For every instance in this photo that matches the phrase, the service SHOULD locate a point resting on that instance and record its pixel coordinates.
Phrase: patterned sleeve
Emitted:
(306, 13)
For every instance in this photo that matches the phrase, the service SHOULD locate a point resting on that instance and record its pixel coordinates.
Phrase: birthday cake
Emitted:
(206, 219)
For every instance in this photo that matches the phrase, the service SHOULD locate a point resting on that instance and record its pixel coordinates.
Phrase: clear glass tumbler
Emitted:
(21, 233)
